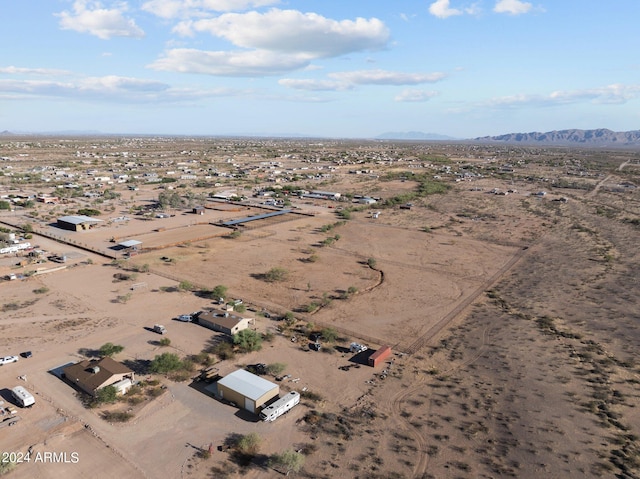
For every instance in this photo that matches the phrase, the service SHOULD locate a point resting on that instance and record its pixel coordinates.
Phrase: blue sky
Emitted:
(350, 68)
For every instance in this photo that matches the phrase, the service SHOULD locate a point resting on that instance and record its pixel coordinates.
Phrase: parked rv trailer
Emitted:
(23, 397)
(281, 406)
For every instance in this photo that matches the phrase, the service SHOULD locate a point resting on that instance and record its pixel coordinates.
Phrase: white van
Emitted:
(23, 397)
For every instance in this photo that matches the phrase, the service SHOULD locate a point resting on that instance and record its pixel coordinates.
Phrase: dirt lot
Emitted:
(519, 315)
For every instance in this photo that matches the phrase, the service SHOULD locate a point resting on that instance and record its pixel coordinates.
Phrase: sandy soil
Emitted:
(524, 312)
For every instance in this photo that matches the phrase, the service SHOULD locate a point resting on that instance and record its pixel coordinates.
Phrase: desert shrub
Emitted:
(106, 395)
(329, 334)
(223, 350)
(311, 307)
(268, 337)
(248, 340)
(8, 465)
(276, 274)
(276, 368)
(116, 416)
(41, 290)
(311, 396)
(109, 349)
(164, 342)
(288, 460)
(249, 444)
(124, 298)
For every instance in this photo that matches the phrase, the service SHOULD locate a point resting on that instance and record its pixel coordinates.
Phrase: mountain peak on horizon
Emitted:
(594, 137)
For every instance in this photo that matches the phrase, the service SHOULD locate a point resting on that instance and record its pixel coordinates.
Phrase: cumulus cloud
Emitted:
(441, 9)
(291, 31)
(315, 85)
(238, 63)
(411, 95)
(610, 94)
(513, 7)
(105, 23)
(271, 43)
(196, 8)
(384, 77)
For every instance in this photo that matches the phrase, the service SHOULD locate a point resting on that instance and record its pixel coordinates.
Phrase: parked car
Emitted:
(26, 354)
(158, 328)
(315, 337)
(8, 359)
(185, 318)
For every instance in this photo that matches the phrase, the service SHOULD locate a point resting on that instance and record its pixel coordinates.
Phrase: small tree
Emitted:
(107, 395)
(249, 444)
(165, 362)
(110, 349)
(248, 340)
(371, 262)
(329, 334)
(289, 460)
(220, 291)
(165, 342)
(185, 286)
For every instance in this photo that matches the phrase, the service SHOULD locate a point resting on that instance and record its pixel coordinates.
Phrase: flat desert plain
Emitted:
(513, 320)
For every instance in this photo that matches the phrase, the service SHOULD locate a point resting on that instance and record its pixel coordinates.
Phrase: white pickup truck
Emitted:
(158, 328)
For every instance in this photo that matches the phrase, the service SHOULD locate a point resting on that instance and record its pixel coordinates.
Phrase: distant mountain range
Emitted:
(413, 135)
(600, 137)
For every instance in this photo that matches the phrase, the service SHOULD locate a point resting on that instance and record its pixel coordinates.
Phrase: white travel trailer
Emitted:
(23, 397)
(281, 406)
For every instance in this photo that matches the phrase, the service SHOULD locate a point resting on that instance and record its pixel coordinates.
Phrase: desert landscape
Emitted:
(504, 279)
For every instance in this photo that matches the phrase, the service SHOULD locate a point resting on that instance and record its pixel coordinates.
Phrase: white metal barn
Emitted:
(246, 390)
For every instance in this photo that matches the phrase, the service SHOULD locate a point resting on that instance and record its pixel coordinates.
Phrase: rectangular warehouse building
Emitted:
(246, 390)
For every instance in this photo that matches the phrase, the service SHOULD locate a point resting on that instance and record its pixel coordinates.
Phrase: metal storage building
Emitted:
(77, 222)
(246, 390)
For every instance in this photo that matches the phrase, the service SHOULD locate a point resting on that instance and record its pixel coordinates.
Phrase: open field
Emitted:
(514, 318)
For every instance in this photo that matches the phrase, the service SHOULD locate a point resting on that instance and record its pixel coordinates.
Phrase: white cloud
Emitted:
(441, 9)
(108, 88)
(238, 63)
(383, 77)
(314, 85)
(610, 94)
(196, 8)
(11, 70)
(410, 95)
(513, 7)
(90, 17)
(293, 32)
